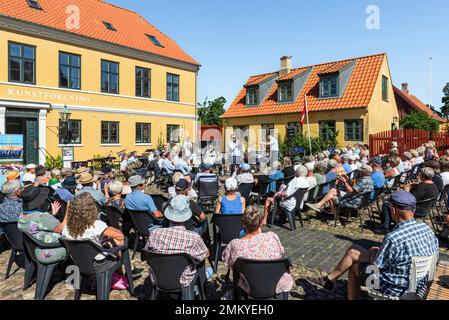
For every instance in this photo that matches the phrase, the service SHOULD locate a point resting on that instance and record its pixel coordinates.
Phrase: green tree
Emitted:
(420, 120)
(209, 112)
(445, 107)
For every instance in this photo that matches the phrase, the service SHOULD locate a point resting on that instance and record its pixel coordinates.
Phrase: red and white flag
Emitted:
(304, 111)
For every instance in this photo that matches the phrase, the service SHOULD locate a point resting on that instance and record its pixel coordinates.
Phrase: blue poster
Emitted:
(11, 148)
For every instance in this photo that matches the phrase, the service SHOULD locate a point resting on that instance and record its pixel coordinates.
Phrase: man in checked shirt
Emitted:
(409, 239)
(176, 239)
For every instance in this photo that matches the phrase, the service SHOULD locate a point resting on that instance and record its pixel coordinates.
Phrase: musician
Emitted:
(124, 163)
(235, 152)
(274, 147)
(187, 148)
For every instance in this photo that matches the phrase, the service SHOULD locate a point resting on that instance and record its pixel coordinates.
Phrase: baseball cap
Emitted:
(182, 185)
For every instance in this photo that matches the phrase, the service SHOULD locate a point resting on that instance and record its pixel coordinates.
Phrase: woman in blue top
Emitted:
(276, 175)
(231, 202)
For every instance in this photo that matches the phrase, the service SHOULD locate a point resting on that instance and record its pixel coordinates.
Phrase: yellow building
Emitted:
(126, 84)
(353, 97)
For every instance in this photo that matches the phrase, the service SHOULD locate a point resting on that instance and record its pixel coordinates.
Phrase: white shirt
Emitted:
(419, 160)
(235, 148)
(123, 165)
(293, 186)
(94, 233)
(274, 144)
(445, 177)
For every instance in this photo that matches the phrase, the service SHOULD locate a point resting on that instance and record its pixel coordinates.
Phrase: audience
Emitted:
(87, 182)
(243, 174)
(444, 165)
(67, 190)
(231, 202)
(113, 193)
(258, 246)
(12, 206)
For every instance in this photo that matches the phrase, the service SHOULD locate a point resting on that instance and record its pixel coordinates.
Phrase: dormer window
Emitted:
(329, 86)
(109, 26)
(252, 98)
(285, 92)
(34, 4)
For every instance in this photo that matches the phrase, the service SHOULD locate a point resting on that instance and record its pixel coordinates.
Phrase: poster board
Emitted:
(68, 156)
(11, 148)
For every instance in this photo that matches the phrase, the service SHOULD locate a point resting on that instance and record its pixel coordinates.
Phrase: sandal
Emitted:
(322, 281)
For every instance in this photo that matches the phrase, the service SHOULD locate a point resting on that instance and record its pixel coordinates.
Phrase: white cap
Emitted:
(28, 177)
(31, 166)
(231, 184)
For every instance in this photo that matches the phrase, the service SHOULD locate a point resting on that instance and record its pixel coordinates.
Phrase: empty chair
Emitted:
(15, 239)
(83, 254)
(44, 271)
(225, 229)
(168, 269)
(262, 277)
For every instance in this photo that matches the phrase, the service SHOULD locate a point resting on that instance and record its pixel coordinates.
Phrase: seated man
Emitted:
(86, 180)
(137, 200)
(176, 239)
(167, 164)
(364, 184)
(378, 176)
(409, 239)
(206, 171)
(11, 208)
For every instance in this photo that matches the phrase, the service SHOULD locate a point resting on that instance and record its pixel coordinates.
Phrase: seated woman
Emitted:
(40, 224)
(299, 182)
(82, 224)
(289, 170)
(231, 202)
(259, 246)
(392, 170)
(275, 175)
(113, 193)
(243, 174)
(175, 179)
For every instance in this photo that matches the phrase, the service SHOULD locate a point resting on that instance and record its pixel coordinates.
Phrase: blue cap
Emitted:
(205, 166)
(376, 160)
(297, 159)
(245, 167)
(403, 200)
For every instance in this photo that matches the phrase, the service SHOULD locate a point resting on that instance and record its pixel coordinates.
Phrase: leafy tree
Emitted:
(209, 112)
(319, 144)
(420, 120)
(445, 107)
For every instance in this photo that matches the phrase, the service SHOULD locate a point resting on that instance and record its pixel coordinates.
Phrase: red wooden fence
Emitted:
(380, 143)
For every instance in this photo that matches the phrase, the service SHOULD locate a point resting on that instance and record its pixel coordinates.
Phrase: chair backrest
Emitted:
(167, 268)
(377, 192)
(426, 205)
(159, 201)
(245, 190)
(262, 187)
(287, 180)
(299, 197)
(113, 217)
(83, 253)
(32, 244)
(366, 199)
(142, 220)
(13, 235)
(208, 187)
(62, 211)
(229, 226)
(262, 275)
(420, 268)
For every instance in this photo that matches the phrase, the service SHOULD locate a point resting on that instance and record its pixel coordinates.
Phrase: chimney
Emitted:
(286, 66)
(405, 87)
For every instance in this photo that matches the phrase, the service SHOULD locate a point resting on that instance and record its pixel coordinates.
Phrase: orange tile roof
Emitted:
(417, 104)
(335, 67)
(131, 27)
(256, 80)
(357, 94)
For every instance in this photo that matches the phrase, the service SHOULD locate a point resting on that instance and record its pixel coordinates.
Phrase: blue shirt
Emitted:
(378, 181)
(275, 175)
(64, 194)
(139, 201)
(330, 176)
(231, 207)
(347, 168)
(409, 239)
(97, 195)
(168, 166)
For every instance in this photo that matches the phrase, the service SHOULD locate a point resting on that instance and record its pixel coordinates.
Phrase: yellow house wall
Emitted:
(381, 113)
(90, 105)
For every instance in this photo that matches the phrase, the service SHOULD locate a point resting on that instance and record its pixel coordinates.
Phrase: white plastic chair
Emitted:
(419, 268)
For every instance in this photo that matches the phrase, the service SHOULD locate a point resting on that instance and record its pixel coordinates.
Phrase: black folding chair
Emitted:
(427, 207)
(260, 190)
(364, 205)
(62, 211)
(168, 269)
(225, 229)
(15, 239)
(245, 191)
(83, 254)
(375, 201)
(113, 217)
(142, 221)
(159, 200)
(44, 271)
(287, 180)
(291, 215)
(262, 277)
(208, 192)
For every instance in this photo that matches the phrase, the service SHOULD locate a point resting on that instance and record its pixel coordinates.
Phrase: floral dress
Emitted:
(40, 225)
(265, 246)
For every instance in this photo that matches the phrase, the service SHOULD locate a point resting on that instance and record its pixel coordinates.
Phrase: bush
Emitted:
(319, 144)
(53, 163)
(420, 120)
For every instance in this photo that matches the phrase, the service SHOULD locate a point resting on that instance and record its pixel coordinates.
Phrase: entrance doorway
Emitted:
(25, 122)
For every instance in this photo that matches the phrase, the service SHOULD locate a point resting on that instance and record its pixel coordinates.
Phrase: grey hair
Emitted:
(55, 173)
(276, 165)
(116, 187)
(320, 167)
(414, 153)
(301, 171)
(421, 151)
(427, 173)
(65, 172)
(10, 188)
(408, 155)
(332, 163)
(310, 166)
(176, 177)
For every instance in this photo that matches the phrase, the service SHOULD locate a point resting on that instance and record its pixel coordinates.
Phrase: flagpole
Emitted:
(308, 123)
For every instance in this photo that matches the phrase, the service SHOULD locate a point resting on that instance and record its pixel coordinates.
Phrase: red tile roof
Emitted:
(357, 94)
(417, 104)
(131, 27)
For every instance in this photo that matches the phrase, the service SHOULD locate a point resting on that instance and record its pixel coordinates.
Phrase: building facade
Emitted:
(353, 97)
(126, 84)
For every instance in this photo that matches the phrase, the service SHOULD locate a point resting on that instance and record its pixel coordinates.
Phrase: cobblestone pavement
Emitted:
(314, 249)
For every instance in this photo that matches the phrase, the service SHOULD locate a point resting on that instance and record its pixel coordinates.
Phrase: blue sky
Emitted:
(234, 39)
